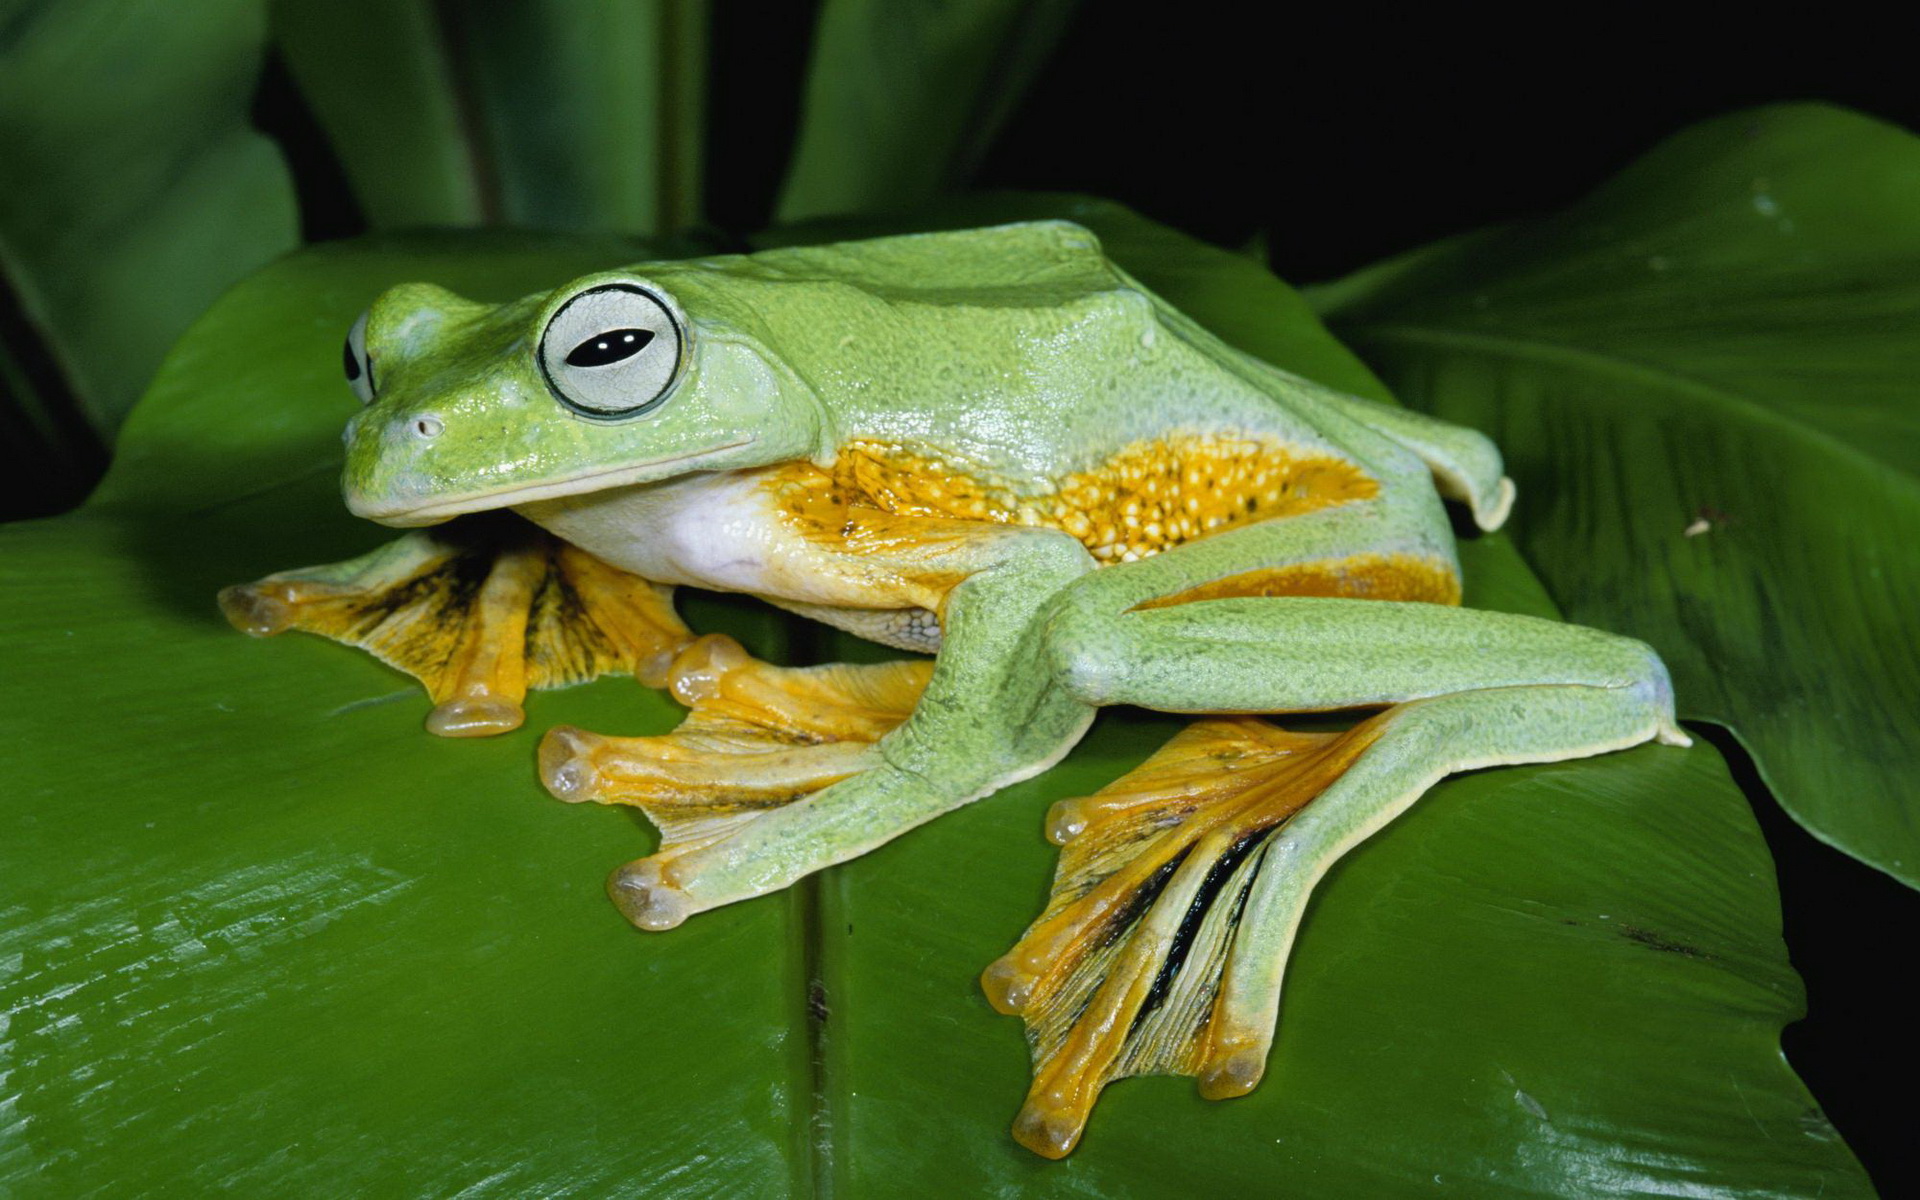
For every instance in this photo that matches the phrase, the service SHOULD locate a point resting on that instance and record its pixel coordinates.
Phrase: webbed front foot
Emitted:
(1123, 973)
(758, 737)
(479, 611)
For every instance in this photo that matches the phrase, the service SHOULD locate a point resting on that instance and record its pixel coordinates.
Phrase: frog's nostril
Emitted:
(428, 427)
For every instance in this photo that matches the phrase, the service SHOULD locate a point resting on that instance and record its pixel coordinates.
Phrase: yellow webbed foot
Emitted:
(479, 612)
(1121, 975)
(757, 737)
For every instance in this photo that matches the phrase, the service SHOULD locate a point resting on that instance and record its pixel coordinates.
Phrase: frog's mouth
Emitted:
(445, 508)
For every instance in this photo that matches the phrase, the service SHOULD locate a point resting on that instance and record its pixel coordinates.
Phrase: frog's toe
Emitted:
(642, 894)
(1231, 1070)
(259, 609)
(1048, 1126)
(1008, 983)
(1066, 820)
(566, 764)
(1122, 974)
(699, 671)
(475, 716)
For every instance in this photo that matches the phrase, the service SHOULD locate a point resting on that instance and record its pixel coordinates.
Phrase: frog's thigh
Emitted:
(1180, 887)
(1301, 654)
(479, 613)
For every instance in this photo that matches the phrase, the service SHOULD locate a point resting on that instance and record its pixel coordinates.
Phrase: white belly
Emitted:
(714, 531)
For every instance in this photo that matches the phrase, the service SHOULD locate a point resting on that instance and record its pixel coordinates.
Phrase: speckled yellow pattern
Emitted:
(1149, 497)
(1360, 577)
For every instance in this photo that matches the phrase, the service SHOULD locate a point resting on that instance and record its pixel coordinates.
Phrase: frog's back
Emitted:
(1024, 265)
(1021, 348)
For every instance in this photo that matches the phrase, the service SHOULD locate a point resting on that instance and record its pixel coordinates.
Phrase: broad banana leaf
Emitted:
(1706, 379)
(259, 932)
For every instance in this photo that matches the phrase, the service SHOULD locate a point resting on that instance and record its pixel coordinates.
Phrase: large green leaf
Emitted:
(132, 189)
(259, 931)
(904, 96)
(544, 113)
(1706, 378)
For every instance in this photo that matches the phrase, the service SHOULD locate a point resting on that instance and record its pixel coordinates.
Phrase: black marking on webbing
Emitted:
(1182, 945)
(1205, 1017)
(563, 642)
(449, 588)
(1142, 899)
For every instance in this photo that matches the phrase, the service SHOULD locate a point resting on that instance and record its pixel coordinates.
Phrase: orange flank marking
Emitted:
(1361, 577)
(1149, 497)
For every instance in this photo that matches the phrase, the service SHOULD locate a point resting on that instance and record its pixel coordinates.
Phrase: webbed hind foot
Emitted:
(479, 611)
(1122, 973)
(758, 737)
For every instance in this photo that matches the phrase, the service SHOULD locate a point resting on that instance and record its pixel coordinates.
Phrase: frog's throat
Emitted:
(445, 508)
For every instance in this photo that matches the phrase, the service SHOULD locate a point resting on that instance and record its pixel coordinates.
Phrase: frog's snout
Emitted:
(424, 427)
(393, 466)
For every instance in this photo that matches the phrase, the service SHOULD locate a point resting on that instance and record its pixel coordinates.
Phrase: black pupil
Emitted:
(609, 347)
(353, 364)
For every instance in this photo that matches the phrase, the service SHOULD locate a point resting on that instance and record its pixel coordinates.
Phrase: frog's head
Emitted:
(604, 383)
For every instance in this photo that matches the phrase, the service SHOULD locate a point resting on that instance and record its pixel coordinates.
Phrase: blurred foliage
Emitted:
(547, 114)
(902, 100)
(125, 209)
(133, 191)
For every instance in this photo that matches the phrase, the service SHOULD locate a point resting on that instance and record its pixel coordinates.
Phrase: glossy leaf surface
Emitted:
(1706, 379)
(261, 932)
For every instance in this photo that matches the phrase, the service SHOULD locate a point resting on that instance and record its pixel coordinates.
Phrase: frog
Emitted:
(996, 449)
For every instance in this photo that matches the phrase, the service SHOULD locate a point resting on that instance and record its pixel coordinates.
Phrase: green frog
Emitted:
(996, 448)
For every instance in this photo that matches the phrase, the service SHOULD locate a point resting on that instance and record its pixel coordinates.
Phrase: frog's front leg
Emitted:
(479, 612)
(990, 714)
(1180, 889)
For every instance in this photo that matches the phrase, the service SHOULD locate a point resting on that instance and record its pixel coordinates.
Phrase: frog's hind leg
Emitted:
(757, 737)
(1180, 887)
(479, 612)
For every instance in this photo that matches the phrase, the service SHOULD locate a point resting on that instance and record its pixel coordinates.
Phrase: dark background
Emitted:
(1341, 138)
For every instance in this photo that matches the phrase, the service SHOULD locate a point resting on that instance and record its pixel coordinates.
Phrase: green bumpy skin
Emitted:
(995, 445)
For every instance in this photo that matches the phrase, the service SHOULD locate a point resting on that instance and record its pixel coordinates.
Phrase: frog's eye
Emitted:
(359, 366)
(612, 351)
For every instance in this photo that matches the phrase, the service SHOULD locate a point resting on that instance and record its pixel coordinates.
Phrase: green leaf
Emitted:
(1706, 379)
(258, 931)
(262, 934)
(903, 99)
(134, 190)
(545, 113)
